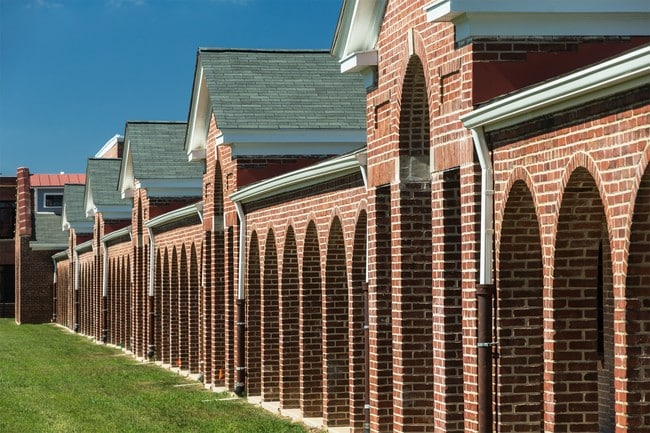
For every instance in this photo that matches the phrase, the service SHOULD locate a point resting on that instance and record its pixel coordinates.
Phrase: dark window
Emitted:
(53, 200)
(7, 219)
(7, 294)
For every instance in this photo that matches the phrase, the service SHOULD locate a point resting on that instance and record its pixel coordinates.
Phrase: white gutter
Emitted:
(104, 270)
(176, 215)
(318, 173)
(242, 249)
(152, 260)
(612, 76)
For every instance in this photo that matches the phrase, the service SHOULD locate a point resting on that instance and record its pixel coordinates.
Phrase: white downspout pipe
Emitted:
(152, 261)
(487, 206)
(76, 326)
(104, 292)
(485, 288)
(240, 386)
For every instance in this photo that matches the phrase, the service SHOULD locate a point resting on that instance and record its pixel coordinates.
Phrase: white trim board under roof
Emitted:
(112, 142)
(356, 34)
(199, 118)
(77, 226)
(606, 78)
(291, 141)
(318, 173)
(109, 212)
(481, 18)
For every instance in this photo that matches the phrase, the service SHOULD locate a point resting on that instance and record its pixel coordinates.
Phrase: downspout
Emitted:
(104, 292)
(240, 386)
(151, 350)
(485, 288)
(54, 291)
(76, 325)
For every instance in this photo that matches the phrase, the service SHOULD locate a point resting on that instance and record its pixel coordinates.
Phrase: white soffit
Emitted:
(616, 75)
(358, 27)
(481, 18)
(356, 62)
(199, 122)
(291, 141)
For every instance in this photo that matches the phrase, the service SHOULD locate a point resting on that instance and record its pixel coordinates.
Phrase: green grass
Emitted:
(52, 381)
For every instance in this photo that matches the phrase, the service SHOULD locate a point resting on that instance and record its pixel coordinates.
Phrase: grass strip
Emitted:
(52, 381)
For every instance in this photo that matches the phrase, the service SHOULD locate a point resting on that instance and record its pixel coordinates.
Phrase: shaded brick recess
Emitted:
(359, 299)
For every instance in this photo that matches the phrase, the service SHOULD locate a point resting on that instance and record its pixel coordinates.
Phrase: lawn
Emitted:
(53, 381)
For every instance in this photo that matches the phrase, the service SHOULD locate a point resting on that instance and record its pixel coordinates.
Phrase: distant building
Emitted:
(38, 235)
(7, 227)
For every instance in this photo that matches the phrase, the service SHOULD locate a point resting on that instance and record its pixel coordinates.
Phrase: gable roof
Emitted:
(154, 153)
(271, 98)
(55, 180)
(73, 215)
(101, 193)
(48, 233)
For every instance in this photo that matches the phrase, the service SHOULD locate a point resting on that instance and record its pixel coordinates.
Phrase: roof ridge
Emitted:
(262, 50)
(158, 122)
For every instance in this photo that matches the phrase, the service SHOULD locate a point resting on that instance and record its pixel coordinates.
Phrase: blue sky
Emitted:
(72, 72)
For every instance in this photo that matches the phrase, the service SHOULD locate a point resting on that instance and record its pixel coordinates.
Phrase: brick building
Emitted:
(7, 227)
(444, 230)
(38, 234)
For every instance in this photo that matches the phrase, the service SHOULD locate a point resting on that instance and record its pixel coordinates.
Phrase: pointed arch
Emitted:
(193, 313)
(289, 325)
(582, 308)
(253, 319)
(270, 322)
(311, 354)
(520, 315)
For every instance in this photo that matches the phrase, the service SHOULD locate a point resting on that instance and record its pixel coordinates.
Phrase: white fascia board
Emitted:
(172, 187)
(357, 62)
(126, 180)
(113, 141)
(81, 227)
(90, 207)
(476, 18)
(176, 215)
(43, 246)
(612, 76)
(199, 119)
(84, 247)
(318, 173)
(121, 234)
(115, 212)
(292, 141)
(61, 255)
(358, 27)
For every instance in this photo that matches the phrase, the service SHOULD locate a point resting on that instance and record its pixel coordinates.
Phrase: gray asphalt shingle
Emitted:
(157, 151)
(48, 229)
(282, 90)
(102, 176)
(73, 201)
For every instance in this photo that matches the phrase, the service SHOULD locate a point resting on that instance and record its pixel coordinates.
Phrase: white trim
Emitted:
(117, 235)
(44, 246)
(474, 18)
(358, 61)
(305, 177)
(46, 194)
(84, 247)
(114, 140)
(613, 76)
(358, 27)
(126, 181)
(291, 141)
(176, 215)
(199, 118)
(192, 187)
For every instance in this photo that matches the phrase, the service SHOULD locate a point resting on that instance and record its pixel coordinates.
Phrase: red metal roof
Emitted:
(42, 180)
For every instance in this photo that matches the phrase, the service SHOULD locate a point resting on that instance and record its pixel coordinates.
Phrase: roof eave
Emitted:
(603, 79)
(478, 18)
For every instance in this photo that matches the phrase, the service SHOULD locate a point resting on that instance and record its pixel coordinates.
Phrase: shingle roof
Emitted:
(73, 201)
(282, 89)
(48, 229)
(42, 180)
(157, 151)
(102, 176)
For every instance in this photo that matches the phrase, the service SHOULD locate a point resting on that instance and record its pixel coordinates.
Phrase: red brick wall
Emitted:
(569, 201)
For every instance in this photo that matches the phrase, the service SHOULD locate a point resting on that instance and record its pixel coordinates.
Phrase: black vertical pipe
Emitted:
(240, 386)
(484, 351)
